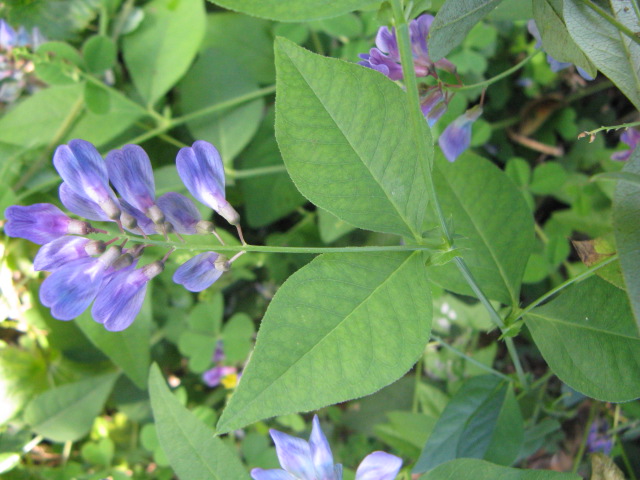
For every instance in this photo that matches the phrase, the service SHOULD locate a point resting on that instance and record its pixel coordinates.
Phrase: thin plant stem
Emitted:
(416, 384)
(610, 127)
(497, 78)
(469, 359)
(625, 459)
(585, 436)
(255, 172)
(612, 20)
(587, 273)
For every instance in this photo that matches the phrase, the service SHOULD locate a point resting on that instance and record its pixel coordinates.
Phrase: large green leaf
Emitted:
(66, 413)
(342, 132)
(128, 349)
(471, 469)
(494, 224)
(452, 23)
(556, 40)
(294, 10)
(191, 447)
(160, 51)
(589, 339)
(615, 55)
(626, 228)
(482, 420)
(216, 77)
(341, 327)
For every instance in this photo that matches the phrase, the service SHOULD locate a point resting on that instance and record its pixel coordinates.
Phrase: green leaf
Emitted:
(159, 52)
(612, 52)
(294, 10)
(97, 99)
(191, 447)
(341, 129)
(267, 197)
(56, 19)
(548, 178)
(198, 341)
(343, 326)
(624, 176)
(217, 77)
(331, 227)
(493, 221)
(626, 229)
(452, 23)
(99, 53)
(556, 40)
(589, 339)
(482, 420)
(36, 121)
(471, 469)
(128, 349)
(237, 336)
(66, 413)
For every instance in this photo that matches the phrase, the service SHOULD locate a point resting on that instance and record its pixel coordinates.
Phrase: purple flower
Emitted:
(81, 206)
(42, 223)
(71, 288)
(82, 168)
(131, 173)
(202, 172)
(457, 136)
(385, 58)
(180, 212)
(554, 64)
(201, 271)
(218, 354)
(7, 36)
(598, 440)
(214, 376)
(433, 106)
(120, 299)
(631, 137)
(64, 250)
(313, 460)
(135, 221)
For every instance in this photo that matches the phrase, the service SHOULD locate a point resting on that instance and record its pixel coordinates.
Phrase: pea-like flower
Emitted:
(201, 271)
(313, 460)
(65, 250)
(631, 137)
(456, 138)
(433, 105)
(42, 223)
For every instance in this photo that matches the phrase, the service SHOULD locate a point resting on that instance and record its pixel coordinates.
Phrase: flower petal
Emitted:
(321, 452)
(294, 455)
(81, 206)
(40, 223)
(379, 466)
(261, 474)
(213, 376)
(179, 212)
(60, 252)
(456, 138)
(144, 222)
(131, 174)
(120, 299)
(199, 272)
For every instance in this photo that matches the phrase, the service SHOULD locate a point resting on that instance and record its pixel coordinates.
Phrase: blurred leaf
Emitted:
(556, 40)
(452, 23)
(471, 469)
(193, 450)
(341, 327)
(160, 51)
(128, 349)
(247, 39)
(548, 178)
(626, 229)
(99, 453)
(604, 468)
(624, 176)
(66, 413)
(97, 99)
(482, 420)
(345, 26)
(294, 10)
(99, 53)
(331, 227)
(594, 251)
(589, 339)
(272, 196)
(237, 336)
(56, 19)
(214, 78)
(494, 222)
(198, 342)
(612, 52)
(329, 127)
(406, 432)
(23, 375)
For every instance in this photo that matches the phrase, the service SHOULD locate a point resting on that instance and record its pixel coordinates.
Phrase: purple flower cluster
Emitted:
(86, 271)
(598, 440)
(385, 58)
(313, 460)
(226, 375)
(15, 72)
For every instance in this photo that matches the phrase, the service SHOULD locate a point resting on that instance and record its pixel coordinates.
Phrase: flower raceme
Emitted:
(313, 460)
(85, 271)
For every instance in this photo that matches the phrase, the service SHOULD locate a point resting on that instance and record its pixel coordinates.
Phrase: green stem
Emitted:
(625, 459)
(609, 128)
(587, 273)
(255, 172)
(619, 26)
(469, 359)
(416, 384)
(166, 124)
(415, 114)
(585, 436)
(497, 78)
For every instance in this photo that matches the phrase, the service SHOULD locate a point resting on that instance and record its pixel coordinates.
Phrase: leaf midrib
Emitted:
(597, 331)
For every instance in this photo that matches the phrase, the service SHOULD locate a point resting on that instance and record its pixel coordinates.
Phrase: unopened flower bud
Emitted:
(95, 247)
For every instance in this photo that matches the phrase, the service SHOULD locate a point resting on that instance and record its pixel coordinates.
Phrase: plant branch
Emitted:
(469, 359)
(612, 20)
